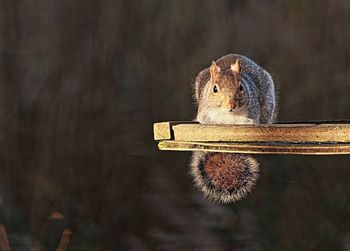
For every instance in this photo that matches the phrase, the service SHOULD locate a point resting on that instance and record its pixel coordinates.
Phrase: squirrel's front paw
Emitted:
(224, 177)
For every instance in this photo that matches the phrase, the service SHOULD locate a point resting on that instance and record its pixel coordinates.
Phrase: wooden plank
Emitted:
(163, 130)
(257, 148)
(262, 133)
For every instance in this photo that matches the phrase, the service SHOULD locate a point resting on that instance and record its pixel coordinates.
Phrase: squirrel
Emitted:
(233, 90)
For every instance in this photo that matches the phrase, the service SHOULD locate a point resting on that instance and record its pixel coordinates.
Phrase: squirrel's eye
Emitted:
(241, 89)
(215, 89)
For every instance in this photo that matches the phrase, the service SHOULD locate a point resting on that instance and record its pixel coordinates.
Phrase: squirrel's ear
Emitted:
(236, 67)
(214, 69)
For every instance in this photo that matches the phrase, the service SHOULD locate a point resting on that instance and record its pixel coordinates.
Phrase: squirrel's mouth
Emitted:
(238, 105)
(224, 116)
(233, 105)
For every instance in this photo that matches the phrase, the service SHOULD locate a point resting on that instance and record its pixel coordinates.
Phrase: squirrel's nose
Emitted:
(232, 105)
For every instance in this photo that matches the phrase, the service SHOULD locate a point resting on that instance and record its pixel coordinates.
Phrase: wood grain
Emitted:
(164, 130)
(313, 138)
(257, 148)
(297, 133)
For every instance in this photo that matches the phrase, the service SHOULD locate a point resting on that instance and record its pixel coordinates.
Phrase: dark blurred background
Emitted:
(82, 82)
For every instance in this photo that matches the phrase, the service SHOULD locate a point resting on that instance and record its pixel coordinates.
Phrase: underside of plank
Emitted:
(257, 148)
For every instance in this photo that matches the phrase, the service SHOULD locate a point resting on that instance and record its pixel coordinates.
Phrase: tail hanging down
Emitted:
(224, 177)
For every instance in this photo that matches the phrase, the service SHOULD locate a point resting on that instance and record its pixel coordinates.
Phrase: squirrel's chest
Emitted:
(220, 116)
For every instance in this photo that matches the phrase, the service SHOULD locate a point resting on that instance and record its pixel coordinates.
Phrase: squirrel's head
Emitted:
(224, 90)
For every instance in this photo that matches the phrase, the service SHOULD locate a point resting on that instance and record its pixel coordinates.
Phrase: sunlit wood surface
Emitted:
(308, 138)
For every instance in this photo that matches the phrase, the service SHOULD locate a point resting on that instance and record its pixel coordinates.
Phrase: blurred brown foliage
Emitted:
(81, 83)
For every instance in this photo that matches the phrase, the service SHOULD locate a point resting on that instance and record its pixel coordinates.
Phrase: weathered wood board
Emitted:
(256, 148)
(283, 138)
(256, 133)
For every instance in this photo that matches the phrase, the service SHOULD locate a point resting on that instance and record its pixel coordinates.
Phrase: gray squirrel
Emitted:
(233, 90)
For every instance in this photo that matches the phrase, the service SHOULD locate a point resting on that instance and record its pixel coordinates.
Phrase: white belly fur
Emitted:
(219, 116)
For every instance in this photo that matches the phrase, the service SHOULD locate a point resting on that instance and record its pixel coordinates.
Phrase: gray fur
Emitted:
(257, 81)
(261, 108)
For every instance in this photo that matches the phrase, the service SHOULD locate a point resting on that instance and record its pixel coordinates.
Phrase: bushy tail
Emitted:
(224, 177)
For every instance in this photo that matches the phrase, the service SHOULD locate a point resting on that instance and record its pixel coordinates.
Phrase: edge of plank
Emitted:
(164, 130)
(256, 148)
